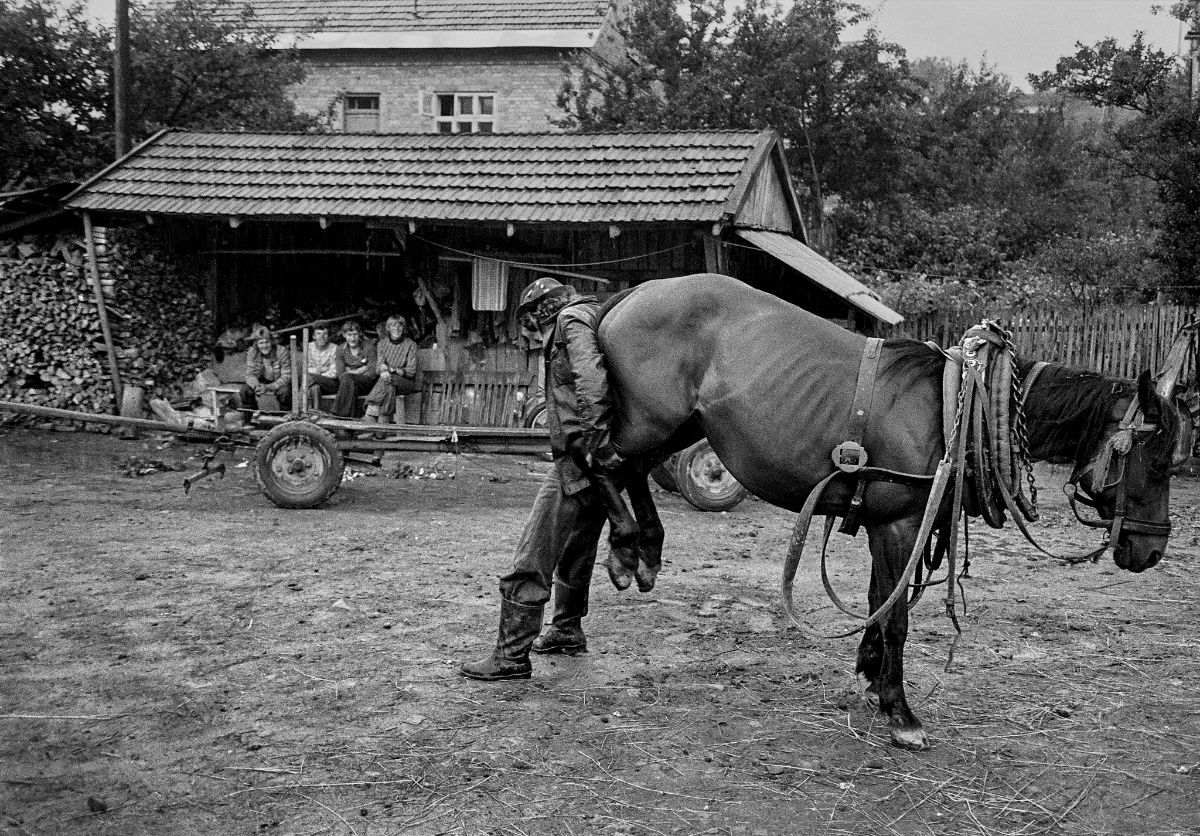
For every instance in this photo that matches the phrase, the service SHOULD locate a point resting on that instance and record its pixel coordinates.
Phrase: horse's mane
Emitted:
(911, 360)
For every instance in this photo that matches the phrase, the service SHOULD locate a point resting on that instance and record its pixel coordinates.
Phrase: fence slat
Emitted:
(1119, 341)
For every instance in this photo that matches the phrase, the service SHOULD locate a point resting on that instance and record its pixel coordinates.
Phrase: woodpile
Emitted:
(52, 350)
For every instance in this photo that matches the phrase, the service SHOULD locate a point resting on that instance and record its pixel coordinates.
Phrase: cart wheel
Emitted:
(298, 465)
(536, 419)
(664, 474)
(703, 480)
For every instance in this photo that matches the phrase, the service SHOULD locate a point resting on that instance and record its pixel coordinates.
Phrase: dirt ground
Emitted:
(211, 664)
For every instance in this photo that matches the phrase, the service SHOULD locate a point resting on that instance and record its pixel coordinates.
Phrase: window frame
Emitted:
(361, 112)
(472, 118)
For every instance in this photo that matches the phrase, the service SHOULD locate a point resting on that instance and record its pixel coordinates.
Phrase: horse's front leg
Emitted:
(622, 530)
(650, 528)
(891, 546)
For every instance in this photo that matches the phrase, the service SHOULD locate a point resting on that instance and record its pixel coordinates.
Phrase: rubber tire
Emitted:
(536, 417)
(312, 487)
(704, 482)
(664, 474)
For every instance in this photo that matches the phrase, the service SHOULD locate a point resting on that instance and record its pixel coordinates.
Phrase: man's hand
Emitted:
(606, 458)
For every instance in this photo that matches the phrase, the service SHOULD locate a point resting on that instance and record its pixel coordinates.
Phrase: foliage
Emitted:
(54, 97)
(1158, 137)
(188, 69)
(840, 108)
(195, 67)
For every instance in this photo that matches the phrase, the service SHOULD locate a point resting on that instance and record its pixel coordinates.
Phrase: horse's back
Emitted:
(712, 346)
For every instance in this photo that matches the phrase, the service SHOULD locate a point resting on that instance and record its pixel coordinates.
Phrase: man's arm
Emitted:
(591, 378)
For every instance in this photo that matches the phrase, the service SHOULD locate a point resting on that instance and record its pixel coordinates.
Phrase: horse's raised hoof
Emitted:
(645, 576)
(913, 739)
(620, 576)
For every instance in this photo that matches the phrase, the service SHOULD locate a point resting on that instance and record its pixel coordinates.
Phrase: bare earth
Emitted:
(211, 664)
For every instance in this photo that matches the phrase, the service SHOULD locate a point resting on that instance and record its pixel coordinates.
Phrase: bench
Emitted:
(479, 399)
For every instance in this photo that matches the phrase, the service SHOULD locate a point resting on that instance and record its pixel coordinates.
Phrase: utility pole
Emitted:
(121, 78)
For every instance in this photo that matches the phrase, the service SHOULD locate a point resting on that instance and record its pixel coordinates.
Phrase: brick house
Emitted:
(448, 66)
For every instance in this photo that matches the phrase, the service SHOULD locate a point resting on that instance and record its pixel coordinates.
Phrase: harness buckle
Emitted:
(849, 457)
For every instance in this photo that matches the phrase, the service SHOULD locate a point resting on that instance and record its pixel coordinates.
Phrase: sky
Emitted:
(1018, 37)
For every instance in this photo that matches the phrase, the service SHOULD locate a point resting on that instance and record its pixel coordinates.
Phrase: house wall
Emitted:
(525, 81)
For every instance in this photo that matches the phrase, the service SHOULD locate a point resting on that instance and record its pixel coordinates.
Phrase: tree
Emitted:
(53, 95)
(1153, 133)
(838, 107)
(206, 64)
(195, 64)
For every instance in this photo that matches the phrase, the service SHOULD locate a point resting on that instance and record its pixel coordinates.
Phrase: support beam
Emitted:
(89, 235)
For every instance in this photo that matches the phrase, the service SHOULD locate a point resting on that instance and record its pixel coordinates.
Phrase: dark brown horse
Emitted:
(771, 386)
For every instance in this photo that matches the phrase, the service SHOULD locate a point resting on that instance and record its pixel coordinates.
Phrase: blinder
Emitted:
(1113, 455)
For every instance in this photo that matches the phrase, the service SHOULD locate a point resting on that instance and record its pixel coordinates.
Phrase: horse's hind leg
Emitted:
(891, 546)
(650, 529)
(870, 653)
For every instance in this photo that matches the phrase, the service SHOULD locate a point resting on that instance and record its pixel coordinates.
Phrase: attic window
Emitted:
(361, 113)
(465, 113)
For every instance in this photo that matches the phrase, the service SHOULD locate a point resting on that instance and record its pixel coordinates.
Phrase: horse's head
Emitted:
(1127, 476)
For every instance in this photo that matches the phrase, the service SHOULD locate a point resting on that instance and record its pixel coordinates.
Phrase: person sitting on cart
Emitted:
(268, 373)
(321, 362)
(558, 545)
(356, 369)
(397, 367)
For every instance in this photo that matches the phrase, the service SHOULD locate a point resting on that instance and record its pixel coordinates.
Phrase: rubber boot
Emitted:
(565, 634)
(519, 626)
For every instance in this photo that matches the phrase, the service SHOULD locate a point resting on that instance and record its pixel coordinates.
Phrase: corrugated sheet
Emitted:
(815, 267)
(292, 16)
(569, 178)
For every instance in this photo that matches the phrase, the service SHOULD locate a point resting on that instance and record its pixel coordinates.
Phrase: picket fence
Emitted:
(1120, 341)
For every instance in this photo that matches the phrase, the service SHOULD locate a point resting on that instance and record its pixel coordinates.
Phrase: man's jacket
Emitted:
(578, 405)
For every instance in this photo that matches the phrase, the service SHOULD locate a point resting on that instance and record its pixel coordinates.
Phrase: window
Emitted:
(361, 113)
(465, 113)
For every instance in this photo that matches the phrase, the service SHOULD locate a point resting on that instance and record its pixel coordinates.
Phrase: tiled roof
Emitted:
(420, 15)
(566, 178)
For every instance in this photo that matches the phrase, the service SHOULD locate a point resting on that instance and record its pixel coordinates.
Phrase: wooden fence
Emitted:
(1121, 341)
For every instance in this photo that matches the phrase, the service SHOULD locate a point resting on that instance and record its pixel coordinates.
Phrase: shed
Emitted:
(448, 228)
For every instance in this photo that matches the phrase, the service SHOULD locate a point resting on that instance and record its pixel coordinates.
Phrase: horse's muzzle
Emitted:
(1135, 557)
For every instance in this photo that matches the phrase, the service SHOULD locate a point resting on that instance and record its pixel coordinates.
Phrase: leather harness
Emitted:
(980, 461)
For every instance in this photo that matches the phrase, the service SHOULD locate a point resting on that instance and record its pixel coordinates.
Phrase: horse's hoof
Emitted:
(621, 578)
(915, 740)
(645, 576)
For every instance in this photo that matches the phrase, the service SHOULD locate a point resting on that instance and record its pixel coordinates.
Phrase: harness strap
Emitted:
(864, 391)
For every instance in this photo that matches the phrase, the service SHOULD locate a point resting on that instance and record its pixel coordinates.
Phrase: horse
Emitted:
(771, 387)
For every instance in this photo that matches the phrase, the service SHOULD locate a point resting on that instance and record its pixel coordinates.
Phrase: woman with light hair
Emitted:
(397, 366)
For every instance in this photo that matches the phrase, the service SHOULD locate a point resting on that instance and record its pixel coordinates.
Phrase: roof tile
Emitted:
(581, 178)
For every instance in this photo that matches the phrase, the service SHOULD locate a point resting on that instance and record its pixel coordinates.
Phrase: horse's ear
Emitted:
(1148, 399)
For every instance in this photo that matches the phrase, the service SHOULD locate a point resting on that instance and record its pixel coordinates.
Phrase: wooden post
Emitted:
(304, 372)
(292, 358)
(94, 276)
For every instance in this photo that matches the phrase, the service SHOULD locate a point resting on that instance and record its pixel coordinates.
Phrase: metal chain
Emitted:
(1020, 428)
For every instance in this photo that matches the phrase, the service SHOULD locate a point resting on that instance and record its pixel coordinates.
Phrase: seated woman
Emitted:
(268, 374)
(356, 369)
(397, 366)
(321, 362)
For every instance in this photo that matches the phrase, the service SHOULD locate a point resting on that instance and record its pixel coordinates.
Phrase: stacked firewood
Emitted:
(163, 329)
(52, 349)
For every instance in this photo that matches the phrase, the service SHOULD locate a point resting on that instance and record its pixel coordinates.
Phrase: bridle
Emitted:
(1132, 431)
